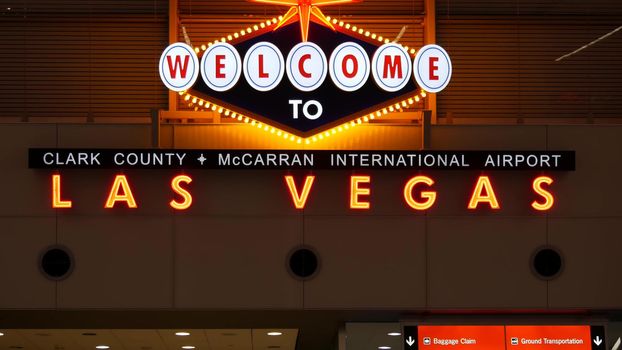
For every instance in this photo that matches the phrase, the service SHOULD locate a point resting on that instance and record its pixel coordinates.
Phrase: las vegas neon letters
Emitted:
(418, 193)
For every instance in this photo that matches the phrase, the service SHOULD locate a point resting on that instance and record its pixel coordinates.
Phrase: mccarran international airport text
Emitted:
(265, 159)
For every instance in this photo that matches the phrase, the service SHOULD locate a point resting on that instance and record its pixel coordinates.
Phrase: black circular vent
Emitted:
(303, 263)
(547, 263)
(56, 263)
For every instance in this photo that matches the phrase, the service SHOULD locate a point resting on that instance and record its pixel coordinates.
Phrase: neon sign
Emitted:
(305, 80)
(419, 193)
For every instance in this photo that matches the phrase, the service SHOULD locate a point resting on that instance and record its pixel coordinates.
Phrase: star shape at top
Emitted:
(305, 11)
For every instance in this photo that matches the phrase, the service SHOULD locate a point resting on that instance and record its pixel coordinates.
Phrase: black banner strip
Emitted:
(44, 158)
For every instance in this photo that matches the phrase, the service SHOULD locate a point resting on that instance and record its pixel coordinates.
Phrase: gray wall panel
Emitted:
(121, 262)
(236, 262)
(28, 192)
(22, 240)
(594, 190)
(481, 263)
(368, 262)
(591, 251)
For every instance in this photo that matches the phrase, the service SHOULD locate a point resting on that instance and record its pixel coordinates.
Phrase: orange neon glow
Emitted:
(182, 192)
(120, 184)
(305, 11)
(57, 202)
(484, 185)
(428, 196)
(549, 200)
(300, 200)
(356, 191)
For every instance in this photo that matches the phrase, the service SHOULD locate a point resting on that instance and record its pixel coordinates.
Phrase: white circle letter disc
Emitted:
(391, 67)
(306, 66)
(349, 66)
(264, 66)
(179, 67)
(221, 67)
(432, 68)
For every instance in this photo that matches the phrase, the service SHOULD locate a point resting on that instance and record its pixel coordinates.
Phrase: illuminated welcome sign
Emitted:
(269, 75)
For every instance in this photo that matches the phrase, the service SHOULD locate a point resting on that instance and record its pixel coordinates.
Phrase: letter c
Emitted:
(301, 66)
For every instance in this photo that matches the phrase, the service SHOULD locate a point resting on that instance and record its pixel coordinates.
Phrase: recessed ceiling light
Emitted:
(187, 347)
(394, 334)
(102, 347)
(274, 334)
(384, 348)
(1, 334)
(182, 334)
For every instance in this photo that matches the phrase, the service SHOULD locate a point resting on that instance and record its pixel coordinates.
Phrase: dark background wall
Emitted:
(504, 55)
(81, 60)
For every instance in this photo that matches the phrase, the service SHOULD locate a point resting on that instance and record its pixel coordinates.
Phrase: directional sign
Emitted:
(469, 337)
(410, 335)
(598, 337)
(563, 337)
(512, 337)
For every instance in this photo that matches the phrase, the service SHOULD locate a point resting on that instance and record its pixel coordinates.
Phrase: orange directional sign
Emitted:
(550, 338)
(461, 337)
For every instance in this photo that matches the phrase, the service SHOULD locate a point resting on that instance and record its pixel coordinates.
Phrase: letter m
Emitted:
(394, 65)
(183, 67)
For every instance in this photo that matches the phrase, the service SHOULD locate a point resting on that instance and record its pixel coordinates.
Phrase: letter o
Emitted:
(132, 159)
(305, 110)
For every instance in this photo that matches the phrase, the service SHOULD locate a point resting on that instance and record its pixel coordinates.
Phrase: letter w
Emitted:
(178, 65)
